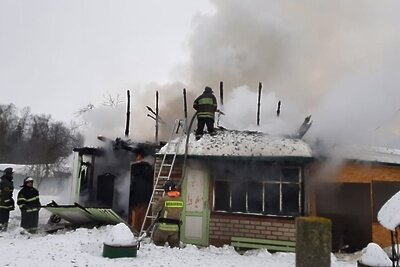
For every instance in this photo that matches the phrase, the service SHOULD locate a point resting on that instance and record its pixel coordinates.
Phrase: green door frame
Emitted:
(196, 214)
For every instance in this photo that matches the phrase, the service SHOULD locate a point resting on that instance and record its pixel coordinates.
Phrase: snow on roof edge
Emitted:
(230, 143)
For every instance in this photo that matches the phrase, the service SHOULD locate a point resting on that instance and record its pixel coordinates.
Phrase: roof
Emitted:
(230, 143)
(374, 154)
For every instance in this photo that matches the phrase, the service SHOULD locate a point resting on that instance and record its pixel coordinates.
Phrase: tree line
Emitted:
(27, 138)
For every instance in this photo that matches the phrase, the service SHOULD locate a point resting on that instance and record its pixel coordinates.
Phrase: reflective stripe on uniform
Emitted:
(173, 204)
(205, 115)
(206, 101)
(28, 199)
(32, 210)
(168, 227)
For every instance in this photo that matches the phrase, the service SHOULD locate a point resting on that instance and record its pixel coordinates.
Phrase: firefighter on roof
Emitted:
(29, 204)
(206, 106)
(168, 211)
(6, 197)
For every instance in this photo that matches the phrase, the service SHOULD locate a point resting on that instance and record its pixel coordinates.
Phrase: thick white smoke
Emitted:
(334, 60)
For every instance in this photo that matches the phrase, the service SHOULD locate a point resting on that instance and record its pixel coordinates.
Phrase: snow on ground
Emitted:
(374, 255)
(83, 247)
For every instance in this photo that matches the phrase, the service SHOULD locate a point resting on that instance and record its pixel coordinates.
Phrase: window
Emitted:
(257, 187)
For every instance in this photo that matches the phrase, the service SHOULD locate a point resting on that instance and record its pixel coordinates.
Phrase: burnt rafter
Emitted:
(304, 127)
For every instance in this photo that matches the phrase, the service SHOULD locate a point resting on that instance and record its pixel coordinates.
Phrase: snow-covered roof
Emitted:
(240, 144)
(373, 154)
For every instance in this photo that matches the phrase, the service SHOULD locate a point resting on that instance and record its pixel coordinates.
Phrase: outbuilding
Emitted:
(239, 183)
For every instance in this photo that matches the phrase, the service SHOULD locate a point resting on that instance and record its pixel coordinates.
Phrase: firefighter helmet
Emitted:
(8, 170)
(169, 186)
(208, 89)
(27, 180)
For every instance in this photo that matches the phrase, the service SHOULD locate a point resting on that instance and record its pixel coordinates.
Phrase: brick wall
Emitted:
(224, 226)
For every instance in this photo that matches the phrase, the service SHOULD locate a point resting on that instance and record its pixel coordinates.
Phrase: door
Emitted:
(196, 213)
(348, 205)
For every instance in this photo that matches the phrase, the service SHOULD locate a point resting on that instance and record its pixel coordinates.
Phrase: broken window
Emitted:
(257, 187)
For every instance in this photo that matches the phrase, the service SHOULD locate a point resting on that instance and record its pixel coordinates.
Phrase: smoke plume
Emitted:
(334, 60)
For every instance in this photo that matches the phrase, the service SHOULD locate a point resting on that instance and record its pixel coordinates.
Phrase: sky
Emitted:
(58, 56)
(336, 61)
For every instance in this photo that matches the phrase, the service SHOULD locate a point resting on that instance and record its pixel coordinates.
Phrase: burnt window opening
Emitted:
(257, 188)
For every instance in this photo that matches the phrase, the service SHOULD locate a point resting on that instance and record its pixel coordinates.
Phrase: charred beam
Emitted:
(259, 103)
(305, 126)
(185, 108)
(278, 111)
(128, 113)
(221, 92)
(157, 119)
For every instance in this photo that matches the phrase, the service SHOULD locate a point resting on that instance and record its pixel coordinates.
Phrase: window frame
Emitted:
(281, 182)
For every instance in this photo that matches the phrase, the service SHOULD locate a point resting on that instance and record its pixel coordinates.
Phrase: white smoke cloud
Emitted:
(334, 60)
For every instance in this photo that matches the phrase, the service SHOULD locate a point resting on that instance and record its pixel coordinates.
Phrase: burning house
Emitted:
(243, 184)
(352, 193)
(101, 183)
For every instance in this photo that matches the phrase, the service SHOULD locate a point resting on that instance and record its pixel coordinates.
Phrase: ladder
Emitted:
(166, 166)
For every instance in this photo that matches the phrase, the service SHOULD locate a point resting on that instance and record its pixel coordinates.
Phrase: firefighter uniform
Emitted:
(206, 106)
(29, 204)
(6, 198)
(169, 209)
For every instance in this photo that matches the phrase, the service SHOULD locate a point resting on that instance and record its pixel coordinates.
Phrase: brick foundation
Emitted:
(224, 226)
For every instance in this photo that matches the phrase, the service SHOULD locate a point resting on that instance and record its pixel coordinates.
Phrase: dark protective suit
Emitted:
(6, 199)
(206, 106)
(29, 204)
(169, 209)
(140, 192)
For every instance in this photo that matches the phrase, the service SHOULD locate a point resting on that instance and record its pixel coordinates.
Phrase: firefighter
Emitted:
(29, 204)
(141, 189)
(6, 197)
(168, 211)
(206, 106)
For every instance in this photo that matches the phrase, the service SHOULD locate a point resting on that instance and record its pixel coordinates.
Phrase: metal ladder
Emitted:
(177, 131)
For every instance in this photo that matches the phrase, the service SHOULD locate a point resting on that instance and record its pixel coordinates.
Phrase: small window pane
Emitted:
(239, 197)
(290, 198)
(272, 198)
(254, 196)
(272, 173)
(290, 175)
(222, 195)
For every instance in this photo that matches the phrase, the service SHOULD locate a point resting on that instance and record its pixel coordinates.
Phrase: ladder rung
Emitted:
(167, 165)
(159, 189)
(163, 177)
(151, 217)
